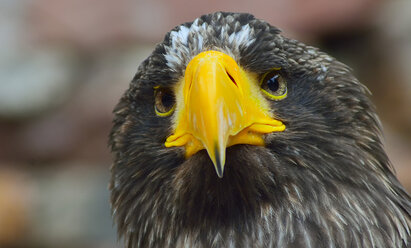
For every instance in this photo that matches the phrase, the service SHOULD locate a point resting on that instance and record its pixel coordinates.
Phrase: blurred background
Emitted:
(65, 63)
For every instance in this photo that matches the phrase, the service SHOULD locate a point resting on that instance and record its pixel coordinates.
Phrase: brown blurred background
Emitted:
(65, 63)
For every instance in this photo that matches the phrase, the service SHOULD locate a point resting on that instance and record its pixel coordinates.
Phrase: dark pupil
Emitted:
(273, 84)
(167, 99)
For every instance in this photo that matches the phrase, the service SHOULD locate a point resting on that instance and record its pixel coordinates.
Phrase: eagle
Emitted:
(232, 135)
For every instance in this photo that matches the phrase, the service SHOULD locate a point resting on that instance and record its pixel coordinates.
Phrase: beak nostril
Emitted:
(232, 79)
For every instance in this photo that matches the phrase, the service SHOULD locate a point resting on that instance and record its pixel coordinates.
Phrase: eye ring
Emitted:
(164, 101)
(273, 85)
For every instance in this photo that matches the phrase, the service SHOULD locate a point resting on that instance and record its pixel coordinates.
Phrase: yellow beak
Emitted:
(219, 105)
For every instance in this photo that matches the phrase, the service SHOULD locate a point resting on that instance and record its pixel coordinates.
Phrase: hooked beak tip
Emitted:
(219, 163)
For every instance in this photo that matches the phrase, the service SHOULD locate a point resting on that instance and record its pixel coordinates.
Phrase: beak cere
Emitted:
(219, 105)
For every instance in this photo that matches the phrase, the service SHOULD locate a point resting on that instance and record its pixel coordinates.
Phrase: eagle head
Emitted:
(232, 135)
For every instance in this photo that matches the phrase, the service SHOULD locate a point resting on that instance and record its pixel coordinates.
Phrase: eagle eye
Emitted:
(164, 101)
(273, 85)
